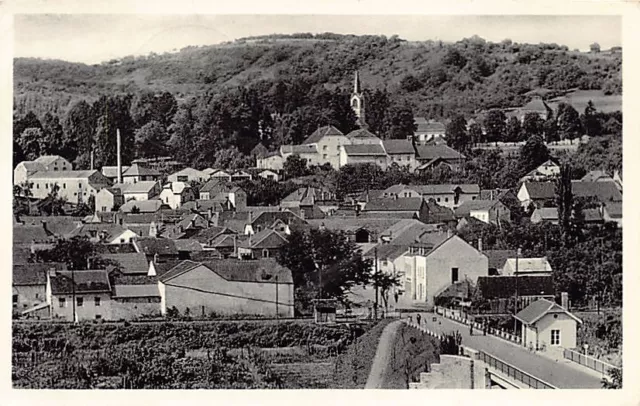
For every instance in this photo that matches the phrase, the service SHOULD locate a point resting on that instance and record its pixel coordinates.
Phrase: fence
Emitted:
(455, 316)
(513, 372)
(589, 362)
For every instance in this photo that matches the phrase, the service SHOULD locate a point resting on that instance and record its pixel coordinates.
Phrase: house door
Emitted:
(555, 337)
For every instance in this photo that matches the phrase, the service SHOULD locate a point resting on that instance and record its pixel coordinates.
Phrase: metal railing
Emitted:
(589, 362)
(513, 372)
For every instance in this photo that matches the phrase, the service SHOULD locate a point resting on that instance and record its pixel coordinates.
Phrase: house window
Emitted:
(79, 185)
(122, 241)
(446, 199)
(37, 295)
(183, 178)
(438, 199)
(96, 300)
(454, 275)
(37, 186)
(62, 302)
(46, 186)
(324, 148)
(15, 300)
(473, 197)
(79, 301)
(104, 208)
(555, 337)
(64, 185)
(265, 253)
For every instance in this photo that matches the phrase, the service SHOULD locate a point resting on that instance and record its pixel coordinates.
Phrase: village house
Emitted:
(307, 197)
(428, 130)
(139, 191)
(127, 263)
(74, 186)
(137, 173)
(541, 194)
(487, 211)
(130, 302)
(240, 175)
(363, 154)
(25, 170)
(363, 136)
(497, 292)
(432, 268)
(111, 172)
(90, 289)
(221, 175)
(175, 194)
(546, 324)
(272, 160)
(397, 207)
(223, 192)
(545, 172)
(445, 195)
(30, 283)
(285, 221)
(104, 233)
(259, 151)
(527, 266)
(536, 105)
(141, 207)
(109, 199)
(228, 286)
(327, 141)
(430, 157)
(263, 244)
(400, 152)
(54, 163)
(612, 212)
(188, 175)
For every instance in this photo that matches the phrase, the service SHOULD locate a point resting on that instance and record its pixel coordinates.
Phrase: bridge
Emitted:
(510, 365)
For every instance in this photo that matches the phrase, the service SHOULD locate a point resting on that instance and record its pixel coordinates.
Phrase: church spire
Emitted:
(356, 83)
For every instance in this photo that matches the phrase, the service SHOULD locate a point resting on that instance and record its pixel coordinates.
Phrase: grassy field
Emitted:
(579, 99)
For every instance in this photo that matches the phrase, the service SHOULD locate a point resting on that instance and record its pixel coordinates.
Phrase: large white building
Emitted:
(74, 186)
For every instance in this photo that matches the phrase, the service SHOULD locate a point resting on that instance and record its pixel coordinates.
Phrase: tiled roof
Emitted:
(362, 133)
(145, 206)
(28, 234)
(177, 187)
(209, 171)
(365, 149)
(370, 194)
(47, 159)
(262, 270)
(536, 310)
(112, 171)
(111, 230)
(259, 150)
(160, 246)
(614, 209)
(528, 265)
(137, 170)
(132, 291)
(32, 166)
(492, 194)
(204, 235)
(219, 186)
(497, 258)
(593, 176)
(430, 152)
(63, 174)
(603, 191)
(299, 149)
(91, 281)
(352, 224)
(130, 263)
(187, 245)
(322, 132)
(138, 187)
(33, 273)
(386, 251)
(398, 147)
(439, 214)
(308, 195)
(58, 225)
(265, 239)
(395, 204)
(547, 213)
(433, 189)
(503, 287)
(537, 105)
(226, 240)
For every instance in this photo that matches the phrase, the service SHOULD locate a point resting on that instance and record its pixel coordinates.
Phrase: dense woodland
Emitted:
(211, 105)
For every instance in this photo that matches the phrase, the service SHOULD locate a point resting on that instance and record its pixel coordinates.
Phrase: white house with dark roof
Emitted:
(431, 156)
(74, 186)
(188, 175)
(327, 142)
(547, 171)
(546, 324)
(54, 163)
(228, 286)
(90, 289)
(487, 211)
(137, 173)
(363, 154)
(24, 170)
(175, 194)
(428, 130)
(111, 172)
(447, 195)
(139, 191)
(401, 152)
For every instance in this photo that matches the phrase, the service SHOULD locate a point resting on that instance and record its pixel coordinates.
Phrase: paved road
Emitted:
(556, 373)
(381, 360)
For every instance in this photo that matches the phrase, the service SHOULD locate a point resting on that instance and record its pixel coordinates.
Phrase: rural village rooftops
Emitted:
(467, 207)
(362, 133)
(321, 132)
(396, 147)
(144, 206)
(538, 309)
(430, 152)
(137, 170)
(47, 159)
(395, 204)
(364, 150)
(603, 191)
(299, 149)
(63, 174)
(129, 263)
(89, 281)
(138, 187)
(262, 270)
(112, 171)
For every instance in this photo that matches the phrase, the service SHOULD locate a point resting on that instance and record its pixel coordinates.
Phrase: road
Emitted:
(558, 374)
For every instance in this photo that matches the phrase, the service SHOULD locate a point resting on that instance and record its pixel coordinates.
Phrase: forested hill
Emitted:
(436, 78)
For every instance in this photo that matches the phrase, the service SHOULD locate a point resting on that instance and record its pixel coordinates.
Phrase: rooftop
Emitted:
(63, 174)
(430, 152)
(398, 147)
(321, 132)
(263, 270)
(135, 291)
(137, 170)
(365, 149)
(138, 187)
(536, 310)
(129, 263)
(395, 204)
(90, 281)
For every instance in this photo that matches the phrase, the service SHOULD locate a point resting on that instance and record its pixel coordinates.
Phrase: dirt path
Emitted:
(383, 352)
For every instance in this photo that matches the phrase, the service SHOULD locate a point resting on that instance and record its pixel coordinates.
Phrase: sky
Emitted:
(97, 38)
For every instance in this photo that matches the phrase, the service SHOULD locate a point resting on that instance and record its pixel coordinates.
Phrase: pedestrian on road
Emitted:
(471, 328)
(484, 328)
(419, 318)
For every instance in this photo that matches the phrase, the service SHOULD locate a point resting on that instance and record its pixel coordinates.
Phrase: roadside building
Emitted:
(398, 207)
(527, 266)
(430, 157)
(428, 130)
(546, 324)
(228, 287)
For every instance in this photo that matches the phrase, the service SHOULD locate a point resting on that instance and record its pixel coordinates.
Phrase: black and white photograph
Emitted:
(260, 201)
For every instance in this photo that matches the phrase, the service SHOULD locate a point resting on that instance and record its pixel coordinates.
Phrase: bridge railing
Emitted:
(513, 372)
(589, 362)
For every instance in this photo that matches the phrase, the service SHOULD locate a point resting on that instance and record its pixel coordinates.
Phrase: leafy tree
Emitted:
(456, 133)
(533, 153)
(377, 105)
(294, 166)
(532, 125)
(18, 153)
(494, 125)
(399, 122)
(79, 128)
(569, 127)
(385, 283)
(30, 120)
(513, 130)
(77, 253)
(151, 140)
(475, 133)
(53, 134)
(590, 121)
(324, 264)
(355, 178)
(113, 114)
(551, 130)
(616, 379)
(31, 142)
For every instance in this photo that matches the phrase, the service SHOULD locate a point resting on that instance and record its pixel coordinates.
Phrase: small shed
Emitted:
(324, 310)
(545, 323)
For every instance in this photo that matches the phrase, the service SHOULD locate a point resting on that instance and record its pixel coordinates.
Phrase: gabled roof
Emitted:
(138, 187)
(110, 231)
(90, 281)
(364, 150)
(28, 234)
(145, 206)
(63, 174)
(546, 213)
(31, 166)
(605, 191)
(362, 133)
(398, 147)
(395, 204)
(439, 214)
(308, 195)
(129, 263)
(33, 273)
(614, 209)
(112, 171)
(529, 265)
(48, 159)
(177, 187)
(353, 224)
(189, 171)
(493, 194)
(497, 258)
(299, 149)
(430, 152)
(386, 251)
(267, 238)
(259, 150)
(152, 246)
(209, 171)
(536, 105)
(226, 240)
(262, 270)
(217, 186)
(436, 189)
(594, 176)
(321, 132)
(137, 170)
(187, 245)
(370, 194)
(205, 235)
(428, 126)
(538, 309)
(57, 225)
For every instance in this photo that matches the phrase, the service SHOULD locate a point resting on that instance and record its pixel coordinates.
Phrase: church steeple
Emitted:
(357, 101)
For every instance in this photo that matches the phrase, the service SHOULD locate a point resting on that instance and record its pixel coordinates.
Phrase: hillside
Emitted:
(434, 77)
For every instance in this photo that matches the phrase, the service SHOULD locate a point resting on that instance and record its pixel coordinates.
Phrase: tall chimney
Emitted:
(480, 244)
(92, 160)
(119, 152)
(564, 300)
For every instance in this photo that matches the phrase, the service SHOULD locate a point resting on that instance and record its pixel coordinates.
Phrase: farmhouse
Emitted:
(545, 323)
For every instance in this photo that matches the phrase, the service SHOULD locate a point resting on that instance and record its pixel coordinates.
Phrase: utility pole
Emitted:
(73, 294)
(599, 298)
(276, 297)
(375, 306)
(515, 311)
